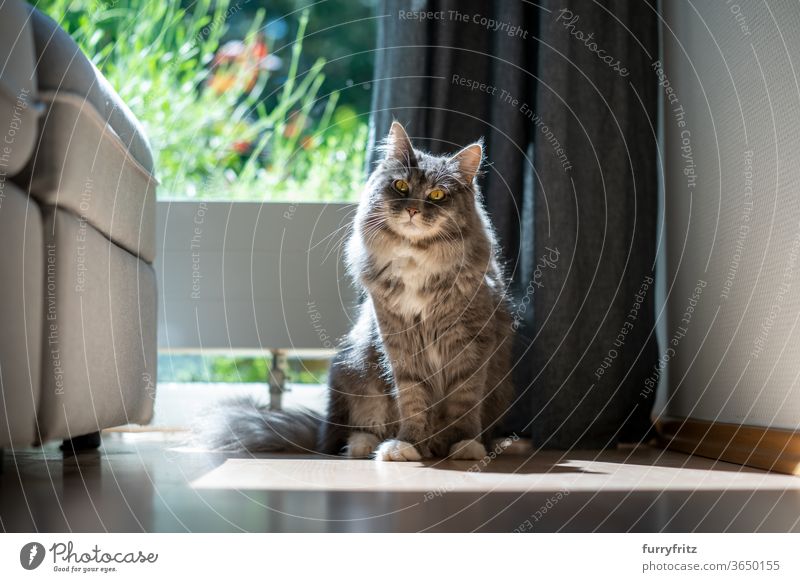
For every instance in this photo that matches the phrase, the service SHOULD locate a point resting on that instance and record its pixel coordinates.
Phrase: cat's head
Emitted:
(419, 196)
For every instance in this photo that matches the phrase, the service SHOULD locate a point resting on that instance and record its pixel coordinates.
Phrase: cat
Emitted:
(426, 368)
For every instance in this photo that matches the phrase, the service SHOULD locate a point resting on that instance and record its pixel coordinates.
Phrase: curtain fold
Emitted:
(565, 98)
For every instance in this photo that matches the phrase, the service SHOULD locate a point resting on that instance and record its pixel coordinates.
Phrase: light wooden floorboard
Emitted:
(148, 482)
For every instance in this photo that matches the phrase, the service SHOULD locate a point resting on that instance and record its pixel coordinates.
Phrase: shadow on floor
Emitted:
(507, 466)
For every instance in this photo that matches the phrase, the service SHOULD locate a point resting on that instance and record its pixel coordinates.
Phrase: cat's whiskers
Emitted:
(346, 225)
(346, 229)
(371, 234)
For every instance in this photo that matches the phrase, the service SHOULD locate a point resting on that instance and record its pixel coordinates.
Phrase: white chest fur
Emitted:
(409, 271)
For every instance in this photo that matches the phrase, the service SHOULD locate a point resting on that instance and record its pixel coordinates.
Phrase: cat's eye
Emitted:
(401, 186)
(436, 195)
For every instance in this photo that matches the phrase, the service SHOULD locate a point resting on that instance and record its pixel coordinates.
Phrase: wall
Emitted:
(248, 275)
(732, 161)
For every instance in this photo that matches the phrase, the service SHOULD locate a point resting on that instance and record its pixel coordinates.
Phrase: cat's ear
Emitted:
(398, 145)
(469, 161)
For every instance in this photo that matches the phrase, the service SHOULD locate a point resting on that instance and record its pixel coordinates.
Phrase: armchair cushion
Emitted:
(90, 143)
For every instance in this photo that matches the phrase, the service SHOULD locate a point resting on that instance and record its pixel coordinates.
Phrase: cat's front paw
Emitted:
(361, 444)
(470, 450)
(394, 450)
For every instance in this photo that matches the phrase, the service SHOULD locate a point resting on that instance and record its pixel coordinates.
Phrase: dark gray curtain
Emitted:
(565, 96)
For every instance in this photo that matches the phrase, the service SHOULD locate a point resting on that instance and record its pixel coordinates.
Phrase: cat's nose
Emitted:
(412, 211)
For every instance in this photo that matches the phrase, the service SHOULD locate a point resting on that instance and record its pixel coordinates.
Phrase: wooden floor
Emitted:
(148, 482)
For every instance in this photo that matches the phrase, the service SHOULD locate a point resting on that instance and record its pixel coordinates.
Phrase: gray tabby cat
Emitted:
(426, 369)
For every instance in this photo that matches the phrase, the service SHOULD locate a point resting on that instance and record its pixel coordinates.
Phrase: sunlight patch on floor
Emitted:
(543, 472)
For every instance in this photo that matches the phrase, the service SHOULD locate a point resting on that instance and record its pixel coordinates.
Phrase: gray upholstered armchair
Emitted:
(77, 222)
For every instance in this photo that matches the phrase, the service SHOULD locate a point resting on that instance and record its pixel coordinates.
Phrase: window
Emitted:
(259, 100)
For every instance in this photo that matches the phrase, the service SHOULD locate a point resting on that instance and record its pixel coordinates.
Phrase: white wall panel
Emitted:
(732, 162)
(247, 275)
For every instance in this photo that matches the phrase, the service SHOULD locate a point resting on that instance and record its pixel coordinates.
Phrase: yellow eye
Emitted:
(436, 195)
(401, 186)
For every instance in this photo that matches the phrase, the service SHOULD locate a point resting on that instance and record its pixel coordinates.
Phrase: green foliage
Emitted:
(212, 132)
(344, 32)
(219, 368)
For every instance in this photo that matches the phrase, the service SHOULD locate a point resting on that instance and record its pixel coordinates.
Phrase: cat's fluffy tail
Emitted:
(244, 424)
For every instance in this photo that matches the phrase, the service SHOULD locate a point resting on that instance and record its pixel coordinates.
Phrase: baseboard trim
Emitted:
(765, 448)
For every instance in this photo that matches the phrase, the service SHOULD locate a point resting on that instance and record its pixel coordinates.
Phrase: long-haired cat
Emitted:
(426, 369)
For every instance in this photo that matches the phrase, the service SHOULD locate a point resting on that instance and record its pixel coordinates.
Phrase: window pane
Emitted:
(248, 100)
